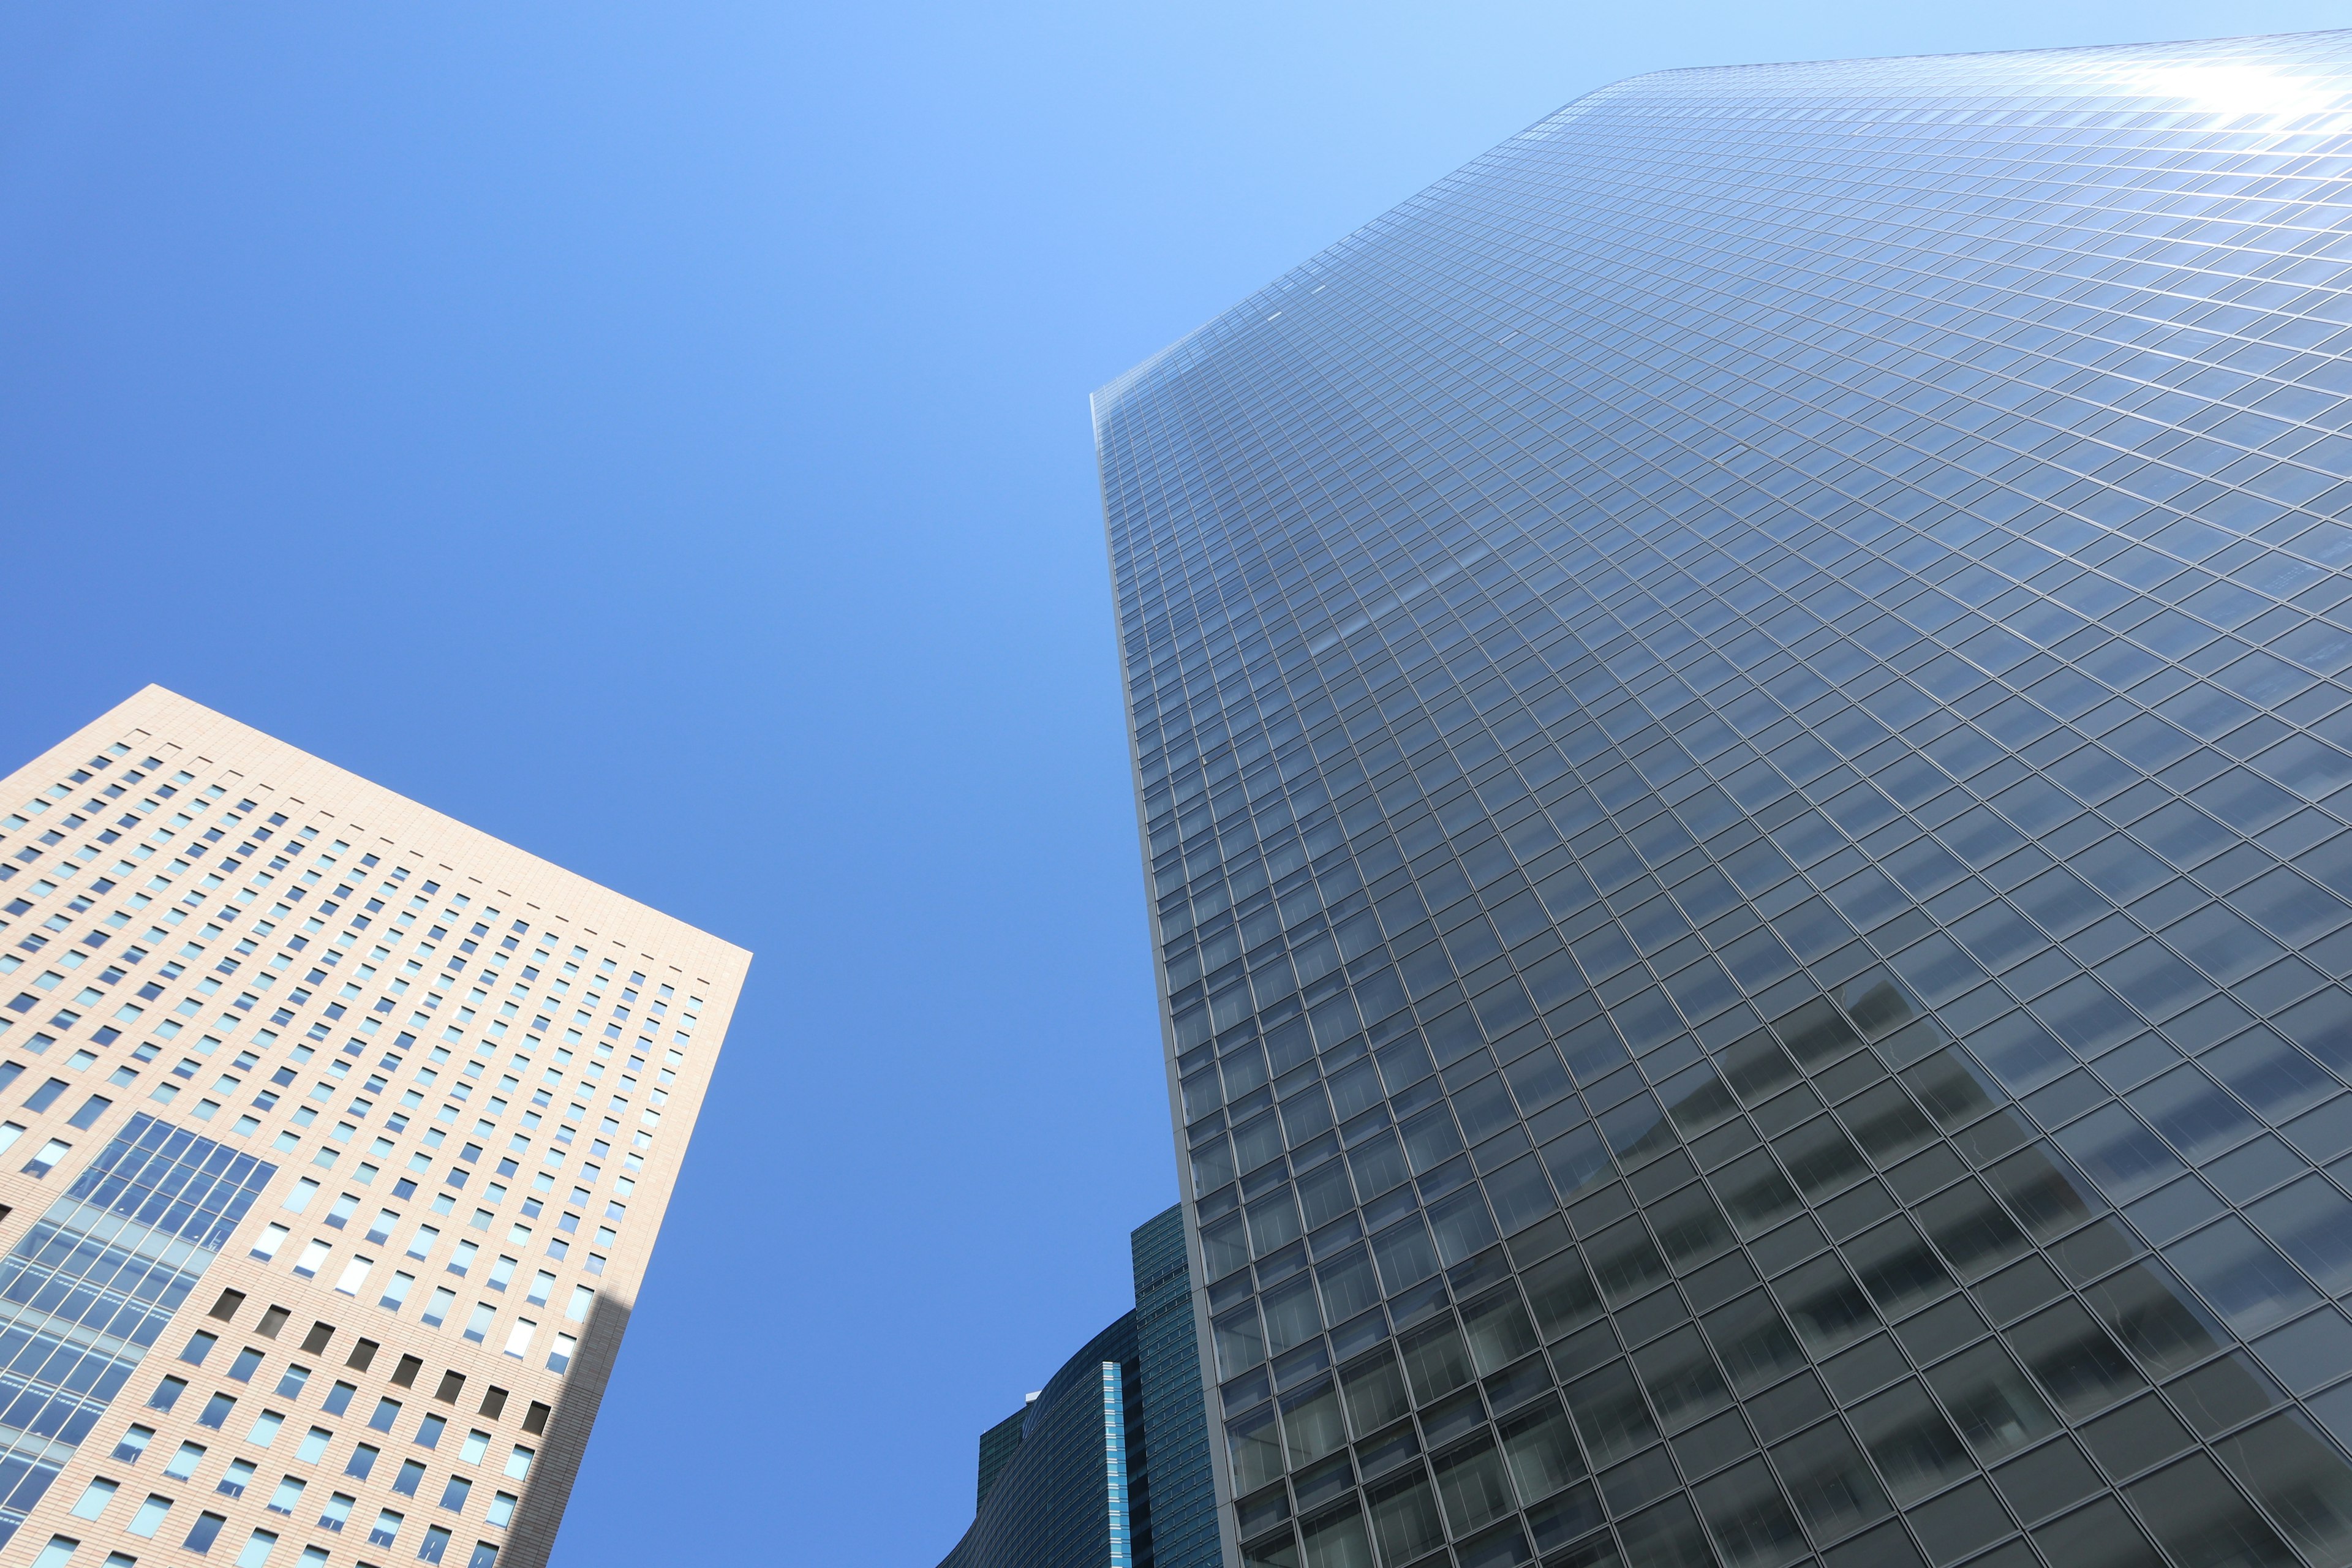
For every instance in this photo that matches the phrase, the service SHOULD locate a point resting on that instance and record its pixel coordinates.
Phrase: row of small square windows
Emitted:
(148, 1519)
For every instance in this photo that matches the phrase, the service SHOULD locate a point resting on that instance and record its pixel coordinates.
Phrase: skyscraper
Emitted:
(1107, 1464)
(349, 1130)
(1740, 725)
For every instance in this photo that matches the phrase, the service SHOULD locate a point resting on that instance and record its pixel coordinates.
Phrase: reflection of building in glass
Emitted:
(1741, 721)
(1107, 1465)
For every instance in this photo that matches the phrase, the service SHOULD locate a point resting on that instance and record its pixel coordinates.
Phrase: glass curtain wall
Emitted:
(1741, 719)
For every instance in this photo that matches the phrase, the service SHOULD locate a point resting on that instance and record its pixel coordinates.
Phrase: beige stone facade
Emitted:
(474, 1075)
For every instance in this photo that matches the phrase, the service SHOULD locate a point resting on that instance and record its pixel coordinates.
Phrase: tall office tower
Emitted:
(1107, 1465)
(347, 1131)
(1739, 717)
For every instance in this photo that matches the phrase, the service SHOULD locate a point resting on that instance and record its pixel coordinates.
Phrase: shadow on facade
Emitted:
(565, 1442)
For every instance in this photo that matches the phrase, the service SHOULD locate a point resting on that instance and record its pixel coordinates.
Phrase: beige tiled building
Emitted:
(335, 1139)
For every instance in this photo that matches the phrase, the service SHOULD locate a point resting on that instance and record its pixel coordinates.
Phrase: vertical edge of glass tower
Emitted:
(1180, 1525)
(1743, 749)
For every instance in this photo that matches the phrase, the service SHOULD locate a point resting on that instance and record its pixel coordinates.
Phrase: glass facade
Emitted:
(1174, 1505)
(1108, 1466)
(86, 1292)
(1741, 726)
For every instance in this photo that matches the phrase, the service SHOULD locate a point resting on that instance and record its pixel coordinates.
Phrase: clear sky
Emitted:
(656, 434)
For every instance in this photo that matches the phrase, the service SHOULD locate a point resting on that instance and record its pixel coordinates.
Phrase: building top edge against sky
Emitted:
(2184, 75)
(299, 775)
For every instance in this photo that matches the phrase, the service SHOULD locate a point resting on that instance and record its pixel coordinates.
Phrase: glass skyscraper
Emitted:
(1107, 1464)
(1740, 721)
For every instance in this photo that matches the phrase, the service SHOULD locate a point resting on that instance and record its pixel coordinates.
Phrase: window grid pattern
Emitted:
(1114, 1429)
(1740, 720)
(300, 965)
(86, 1292)
(1177, 1527)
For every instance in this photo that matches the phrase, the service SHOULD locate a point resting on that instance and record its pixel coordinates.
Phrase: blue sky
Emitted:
(657, 435)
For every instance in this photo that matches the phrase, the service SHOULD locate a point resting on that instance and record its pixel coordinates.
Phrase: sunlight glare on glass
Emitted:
(2235, 87)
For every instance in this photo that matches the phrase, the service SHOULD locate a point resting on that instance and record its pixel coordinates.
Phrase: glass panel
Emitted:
(1540, 1451)
(1750, 1519)
(1911, 1442)
(1996, 1411)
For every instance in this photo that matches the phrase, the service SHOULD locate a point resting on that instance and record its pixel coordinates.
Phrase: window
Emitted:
(234, 1480)
(560, 1357)
(57, 1553)
(453, 1494)
(437, 1310)
(288, 1494)
(462, 1258)
(421, 1243)
(339, 1214)
(134, 1444)
(264, 1429)
(337, 1511)
(241, 1368)
(582, 1298)
(305, 1189)
(45, 1161)
(518, 1337)
(150, 1517)
(183, 1463)
(485, 1556)
(502, 1508)
(478, 1443)
(429, 1431)
(314, 1444)
(258, 1548)
(540, 1286)
(519, 1462)
(412, 1475)
(362, 1461)
(291, 1380)
(94, 1498)
(355, 1273)
(200, 1345)
(436, 1543)
(339, 1398)
(266, 1244)
(215, 1411)
(313, 1258)
(478, 1325)
(381, 1231)
(386, 1529)
(395, 1290)
(387, 1411)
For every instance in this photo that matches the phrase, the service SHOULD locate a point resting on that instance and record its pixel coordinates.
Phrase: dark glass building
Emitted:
(1107, 1465)
(1740, 718)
